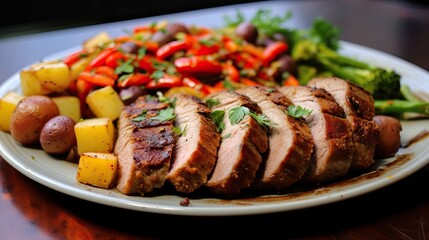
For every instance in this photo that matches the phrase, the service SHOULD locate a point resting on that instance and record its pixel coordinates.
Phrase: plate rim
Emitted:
(109, 198)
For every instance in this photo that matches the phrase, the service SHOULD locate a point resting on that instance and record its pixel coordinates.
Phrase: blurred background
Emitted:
(45, 15)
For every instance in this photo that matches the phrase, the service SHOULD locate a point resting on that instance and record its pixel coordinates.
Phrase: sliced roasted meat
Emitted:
(144, 145)
(358, 104)
(195, 151)
(331, 133)
(290, 140)
(242, 144)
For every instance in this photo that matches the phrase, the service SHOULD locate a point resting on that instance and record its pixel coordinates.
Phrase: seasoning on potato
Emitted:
(29, 117)
(57, 135)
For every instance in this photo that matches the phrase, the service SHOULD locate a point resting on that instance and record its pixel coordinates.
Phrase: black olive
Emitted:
(247, 31)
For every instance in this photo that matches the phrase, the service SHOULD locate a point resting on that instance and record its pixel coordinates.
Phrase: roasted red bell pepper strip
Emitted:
(145, 28)
(107, 71)
(151, 46)
(100, 59)
(115, 59)
(97, 79)
(197, 84)
(202, 50)
(195, 66)
(273, 50)
(146, 63)
(170, 48)
(167, 81)
(134, 79)
(249, 82)
(83, 88)
(291, 81)
(74, 57)
(231, 72)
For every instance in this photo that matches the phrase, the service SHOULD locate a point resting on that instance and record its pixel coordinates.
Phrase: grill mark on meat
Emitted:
(358, 104)
(195, 152)
(143, 148)
(242, 144)
(331, 132)
(290, 141)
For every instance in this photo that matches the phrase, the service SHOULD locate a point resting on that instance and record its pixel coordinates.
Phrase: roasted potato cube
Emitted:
(69, 106)
(8, 104)
(45, 77)
(97, 169)
(97, 41)
(79, 67)
(95, 135)
(105, 102)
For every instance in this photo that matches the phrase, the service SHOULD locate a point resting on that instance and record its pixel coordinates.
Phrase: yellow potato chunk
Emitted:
(45, 77)
(69, 106)
(95, 135)
(7, 105)
(96, 41)
(105, 102)
(79, 67)
(97, 169)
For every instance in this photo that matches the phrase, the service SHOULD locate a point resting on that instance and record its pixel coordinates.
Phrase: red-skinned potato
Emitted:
(390, 136)
(29, 117)
(57, 135)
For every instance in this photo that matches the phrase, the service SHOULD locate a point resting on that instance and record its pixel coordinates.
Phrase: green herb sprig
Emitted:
(297, 111)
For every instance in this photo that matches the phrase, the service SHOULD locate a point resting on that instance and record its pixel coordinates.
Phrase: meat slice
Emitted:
(358, 104)
(195, 151)
(239, 154)
(331, 133)
(290, 140)
(144, 146)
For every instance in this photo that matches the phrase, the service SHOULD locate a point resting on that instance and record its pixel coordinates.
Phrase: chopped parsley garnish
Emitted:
(211, 102)
(297, 111)
(125, 67)
(236, 114)
(165, 115)
(140, 117)
(141, 53)
(217, 117)
(180, 132)
(157, 75)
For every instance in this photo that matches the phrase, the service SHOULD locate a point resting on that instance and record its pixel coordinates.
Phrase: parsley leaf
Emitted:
(211, 102)
(140, 117)
(125, 67)
(180, 132)
(236, 114)
(217, 117)
(165, 115)
(261, 119)
(297, 111)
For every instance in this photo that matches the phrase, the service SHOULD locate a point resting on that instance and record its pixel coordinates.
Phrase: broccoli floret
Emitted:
(381, 83)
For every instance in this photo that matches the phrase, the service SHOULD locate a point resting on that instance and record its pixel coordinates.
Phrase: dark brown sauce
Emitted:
(419, 137)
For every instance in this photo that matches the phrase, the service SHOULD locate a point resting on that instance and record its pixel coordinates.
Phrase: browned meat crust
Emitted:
(290, 141)
(143, 147)
(358, 104)
(195, 152)
(242, 144)
(330, 130)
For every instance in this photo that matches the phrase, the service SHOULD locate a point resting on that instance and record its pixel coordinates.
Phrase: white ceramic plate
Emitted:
(60, 175)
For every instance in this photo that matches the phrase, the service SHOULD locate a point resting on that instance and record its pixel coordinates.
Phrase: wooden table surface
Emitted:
(29, 210)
